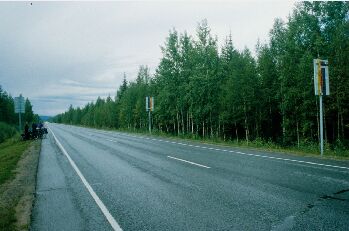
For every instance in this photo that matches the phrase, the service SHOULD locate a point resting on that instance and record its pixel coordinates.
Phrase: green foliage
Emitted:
(10, 153)
(6, 131)
(28, 115)
(8, 219)
(8, 117)
(205, 92)
(7, 113)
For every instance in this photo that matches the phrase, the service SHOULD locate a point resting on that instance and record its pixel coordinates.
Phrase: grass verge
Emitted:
(18, 165)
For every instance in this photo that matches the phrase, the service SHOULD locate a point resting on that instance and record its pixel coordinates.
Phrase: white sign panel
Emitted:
(19, 104)
(321, 77)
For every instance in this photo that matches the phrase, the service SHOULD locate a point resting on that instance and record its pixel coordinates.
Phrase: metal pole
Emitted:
(19, 116)
(20, 122)
(321, 129)
(149, 121)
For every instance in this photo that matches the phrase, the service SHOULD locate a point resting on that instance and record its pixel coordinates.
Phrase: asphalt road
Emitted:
(147, 183)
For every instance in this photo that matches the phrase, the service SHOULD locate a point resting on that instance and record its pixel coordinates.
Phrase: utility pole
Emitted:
(149, 121)
(321, 128)
(20, 122)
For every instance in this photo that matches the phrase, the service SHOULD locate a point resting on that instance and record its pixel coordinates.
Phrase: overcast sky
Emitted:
(62, 53)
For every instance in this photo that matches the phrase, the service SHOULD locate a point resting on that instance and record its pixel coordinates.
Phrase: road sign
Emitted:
(19, 104)
(321, 87)
(149, 107)
(149, 103)
(321, 77)
(19, 108)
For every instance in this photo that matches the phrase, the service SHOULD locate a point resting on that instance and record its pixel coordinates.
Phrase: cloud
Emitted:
(62, 53)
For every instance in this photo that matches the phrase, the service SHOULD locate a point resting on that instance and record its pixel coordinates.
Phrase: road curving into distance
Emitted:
(92, 179)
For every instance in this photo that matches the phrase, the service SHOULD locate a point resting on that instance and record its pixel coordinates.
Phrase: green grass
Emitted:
(6, 131)
(7, 219)
(10, 153)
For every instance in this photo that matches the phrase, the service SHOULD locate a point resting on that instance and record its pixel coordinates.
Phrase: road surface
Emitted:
(91, 179)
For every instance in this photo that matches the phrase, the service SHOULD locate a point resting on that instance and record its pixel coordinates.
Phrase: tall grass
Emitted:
(6, 131)
(10, 153)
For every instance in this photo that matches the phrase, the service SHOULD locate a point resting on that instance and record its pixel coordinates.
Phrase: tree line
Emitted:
(205, 90)
(8, 117)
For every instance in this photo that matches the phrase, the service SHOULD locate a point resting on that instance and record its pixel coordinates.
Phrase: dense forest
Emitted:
(204, 90)
(8, 117)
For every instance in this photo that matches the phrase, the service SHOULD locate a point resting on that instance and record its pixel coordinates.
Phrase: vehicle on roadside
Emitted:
(40, 133)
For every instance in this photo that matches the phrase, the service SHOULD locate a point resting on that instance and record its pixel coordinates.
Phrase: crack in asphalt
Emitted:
(59, 188)
(341, 191)
(288, 222)
(325, 197)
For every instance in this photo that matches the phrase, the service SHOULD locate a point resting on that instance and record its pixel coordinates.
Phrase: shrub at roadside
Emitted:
(6, 131)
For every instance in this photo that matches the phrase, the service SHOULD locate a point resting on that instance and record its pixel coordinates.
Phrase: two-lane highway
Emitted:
(91, 179)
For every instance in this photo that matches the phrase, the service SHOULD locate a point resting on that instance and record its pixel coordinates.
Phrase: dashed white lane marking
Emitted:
(98, 201)
(246, 154)
(115, 141)
(189, 162)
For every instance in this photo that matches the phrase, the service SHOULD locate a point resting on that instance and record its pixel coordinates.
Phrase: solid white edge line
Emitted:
(189, 162)
(293, 160)
(98, 201)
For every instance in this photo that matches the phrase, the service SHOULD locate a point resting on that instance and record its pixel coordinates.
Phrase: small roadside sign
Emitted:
(19, 104)
(19, 108)
(321, 77)
(149, 103)
(149, 107)
(322, 88)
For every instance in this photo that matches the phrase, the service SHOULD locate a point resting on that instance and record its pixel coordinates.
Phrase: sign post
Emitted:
(321, 87)
(19, 108)
(149, 107)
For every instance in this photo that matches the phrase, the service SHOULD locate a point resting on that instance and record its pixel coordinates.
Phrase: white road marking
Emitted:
(293, 160)
(248, 154)
(113, 141)
(98, 201)
(189, 162)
